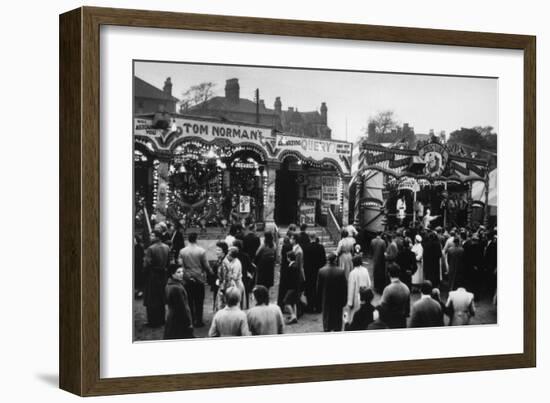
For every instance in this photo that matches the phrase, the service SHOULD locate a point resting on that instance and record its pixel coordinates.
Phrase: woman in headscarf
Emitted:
(179, 324)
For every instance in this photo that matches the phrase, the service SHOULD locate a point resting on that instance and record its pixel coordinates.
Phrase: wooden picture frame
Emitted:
(80, 200)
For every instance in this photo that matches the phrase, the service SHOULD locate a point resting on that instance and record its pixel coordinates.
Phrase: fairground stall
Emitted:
(208, 172)
(433, 185)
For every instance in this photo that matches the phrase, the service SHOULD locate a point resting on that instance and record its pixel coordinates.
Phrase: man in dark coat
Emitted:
(395, 302)
(179, 322)
(426, 312)
(332, 287)
(155, 263)
(378, 247)
(314, 259)
(431, 259)
(303, 237)
(251, 242)
(406, 259)
(455, 261)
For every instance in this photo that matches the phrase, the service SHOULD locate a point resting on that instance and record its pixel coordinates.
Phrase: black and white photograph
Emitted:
(270, 200)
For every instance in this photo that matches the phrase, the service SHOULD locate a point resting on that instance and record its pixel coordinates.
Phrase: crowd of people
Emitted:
(460, 261)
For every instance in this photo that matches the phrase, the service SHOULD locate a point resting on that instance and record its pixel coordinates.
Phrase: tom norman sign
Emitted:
(207, 130)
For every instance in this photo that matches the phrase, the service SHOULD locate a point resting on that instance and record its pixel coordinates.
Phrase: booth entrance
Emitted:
(286, 196)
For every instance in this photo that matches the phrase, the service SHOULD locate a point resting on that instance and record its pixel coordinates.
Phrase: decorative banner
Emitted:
(307, 211)
(244, 204)
(409, 184)
(435, 157)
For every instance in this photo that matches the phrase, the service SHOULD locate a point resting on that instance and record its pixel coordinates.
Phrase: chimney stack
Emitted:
(232, 90)
(278, 105)
(324, 110)
(167, 86)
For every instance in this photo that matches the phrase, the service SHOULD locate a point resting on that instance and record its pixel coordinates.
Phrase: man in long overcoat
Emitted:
(395, 301)
(378, 247)
(332, 287)
(432, 259)
(314, 258)
(155, 263)
(455, 261)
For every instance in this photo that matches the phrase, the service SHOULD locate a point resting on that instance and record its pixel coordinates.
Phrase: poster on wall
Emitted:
(314, 188)
(244, 204)
(330, 190)
(307, 212)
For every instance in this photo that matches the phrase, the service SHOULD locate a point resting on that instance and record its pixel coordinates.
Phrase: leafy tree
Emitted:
(478, 138)
(197, 95)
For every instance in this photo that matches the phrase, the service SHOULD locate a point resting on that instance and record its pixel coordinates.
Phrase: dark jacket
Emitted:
(426, 312)
(265, 266)
(406, 259)
(178, 321)
(362, 318)
(431, 261)
(455, 260)
(251, 243)
(395, 304)
(333, 289)
(303, 239)
(314, 258)
(155, 262)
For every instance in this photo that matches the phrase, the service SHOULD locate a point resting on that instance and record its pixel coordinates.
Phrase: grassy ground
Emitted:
(486, 313)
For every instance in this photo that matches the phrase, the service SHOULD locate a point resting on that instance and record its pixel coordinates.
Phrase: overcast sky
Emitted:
(425, 102)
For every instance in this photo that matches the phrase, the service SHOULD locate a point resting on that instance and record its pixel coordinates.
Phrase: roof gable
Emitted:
(142, 89)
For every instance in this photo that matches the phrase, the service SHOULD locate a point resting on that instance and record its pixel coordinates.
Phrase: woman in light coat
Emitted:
(418, 277)
(344, 251)
(230, 275)
(358, 277)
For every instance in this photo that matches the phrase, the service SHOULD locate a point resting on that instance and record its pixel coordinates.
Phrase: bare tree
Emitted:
(197, 95)
(383, 127)
(384, 121)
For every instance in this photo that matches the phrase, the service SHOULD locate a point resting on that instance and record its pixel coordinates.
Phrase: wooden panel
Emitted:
(70, 315)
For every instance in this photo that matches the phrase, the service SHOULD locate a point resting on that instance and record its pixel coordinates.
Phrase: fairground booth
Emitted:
(211, 172)
(435, 184)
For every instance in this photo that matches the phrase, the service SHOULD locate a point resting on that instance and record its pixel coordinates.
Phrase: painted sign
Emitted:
(313, 190)
(435, 156)
(307, 211)
(330, 190)
(316, 149)
(207, 130)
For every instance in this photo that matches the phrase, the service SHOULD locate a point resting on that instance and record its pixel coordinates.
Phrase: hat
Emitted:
(418, 238)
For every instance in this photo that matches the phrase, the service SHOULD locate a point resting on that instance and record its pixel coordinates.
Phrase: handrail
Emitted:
(333, 228)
